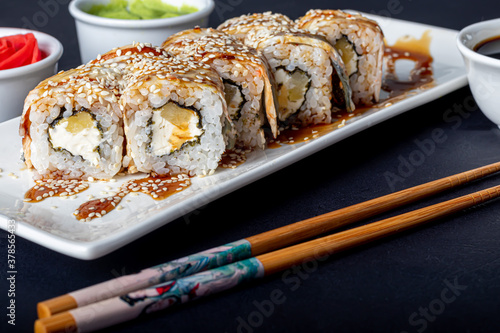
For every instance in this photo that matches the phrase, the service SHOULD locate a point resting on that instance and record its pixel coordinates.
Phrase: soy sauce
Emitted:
(489, 47)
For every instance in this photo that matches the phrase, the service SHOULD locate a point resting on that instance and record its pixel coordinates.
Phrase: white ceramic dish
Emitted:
(57, 229)
(97, 35)
(483, 72)
(15, 83)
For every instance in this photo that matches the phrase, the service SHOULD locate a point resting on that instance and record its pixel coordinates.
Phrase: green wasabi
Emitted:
(140, 9)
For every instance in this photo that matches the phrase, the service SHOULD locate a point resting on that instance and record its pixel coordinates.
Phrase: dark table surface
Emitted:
(444, 277)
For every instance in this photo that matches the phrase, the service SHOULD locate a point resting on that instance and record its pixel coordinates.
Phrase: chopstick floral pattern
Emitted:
(194, 286)
(168, 271)
(138, 303)
(208, 259)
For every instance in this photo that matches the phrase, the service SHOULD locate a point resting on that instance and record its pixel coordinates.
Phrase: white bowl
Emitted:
(483, 72)
(97, 35)
(16, 83)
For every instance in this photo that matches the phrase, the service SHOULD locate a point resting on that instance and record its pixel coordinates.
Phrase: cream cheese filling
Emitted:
(172, 127)
(79, 135)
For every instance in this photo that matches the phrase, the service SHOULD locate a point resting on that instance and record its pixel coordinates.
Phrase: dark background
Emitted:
(394, 285)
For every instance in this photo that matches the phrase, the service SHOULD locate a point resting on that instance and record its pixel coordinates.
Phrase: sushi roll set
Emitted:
(176, 108)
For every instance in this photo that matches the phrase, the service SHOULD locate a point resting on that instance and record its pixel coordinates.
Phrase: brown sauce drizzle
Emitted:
(416, 50)
(420, 78)
(158, 188)
(54, 188)
(233, 157)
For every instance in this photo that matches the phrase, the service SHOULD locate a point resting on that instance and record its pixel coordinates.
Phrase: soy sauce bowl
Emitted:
(483, 71)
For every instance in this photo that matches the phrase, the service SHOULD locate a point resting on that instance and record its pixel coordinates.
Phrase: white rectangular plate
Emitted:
(51, 223)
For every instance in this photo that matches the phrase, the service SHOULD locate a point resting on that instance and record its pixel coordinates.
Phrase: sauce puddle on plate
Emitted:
(233, 157)
(44, 189)
(158, 188)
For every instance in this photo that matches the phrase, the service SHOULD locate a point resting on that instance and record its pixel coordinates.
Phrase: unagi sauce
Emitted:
(44, 189)
(233, 157)
(158, 188)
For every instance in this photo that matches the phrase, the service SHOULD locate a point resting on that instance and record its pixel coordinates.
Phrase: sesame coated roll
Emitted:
(71, 127)
(174, 112)
(135, 108)
(248, 90)
(359, 41)
(310, 76)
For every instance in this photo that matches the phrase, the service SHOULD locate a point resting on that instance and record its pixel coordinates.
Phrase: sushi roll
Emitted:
(248, 90)
(134, 108)
(174, 112)
(359, 41)
(71, 128)
(310, 76)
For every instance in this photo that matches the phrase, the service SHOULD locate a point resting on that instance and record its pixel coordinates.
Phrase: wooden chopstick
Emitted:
(119, 309)
(255, 245)
(299, 231)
